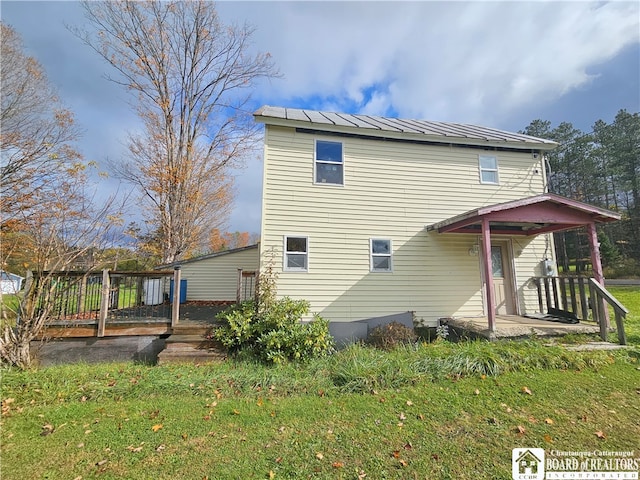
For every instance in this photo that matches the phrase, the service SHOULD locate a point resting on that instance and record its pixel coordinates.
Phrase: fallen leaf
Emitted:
(271, 474)
(409, 403)
(157, 427)
(483, 376)
(600, 434)
(548, 421)
(435, 456)
(408, 446)
(526, 390)
(361, 475)
(396, 454)
(319, 456)
(260, 402)
(236, 412)
(185, 436)
(101, 462)
(80, 445)
(47, 429)
(133, 449)
(402, 416)
(279, 460)
(476, 392)
(548, 439)
(337, 464)
(403, 463)
(520, 430)
(420, 416)
(207, 417)
(160, 448)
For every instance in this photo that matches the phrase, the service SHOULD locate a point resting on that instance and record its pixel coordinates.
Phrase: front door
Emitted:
(502, 279)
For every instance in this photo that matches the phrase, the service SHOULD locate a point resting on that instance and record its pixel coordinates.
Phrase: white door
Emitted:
(502, 279)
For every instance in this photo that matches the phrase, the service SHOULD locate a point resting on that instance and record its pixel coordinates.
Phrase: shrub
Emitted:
(276, 334)
(391, 335)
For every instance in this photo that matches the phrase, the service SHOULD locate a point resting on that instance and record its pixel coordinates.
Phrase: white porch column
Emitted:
(488, 274)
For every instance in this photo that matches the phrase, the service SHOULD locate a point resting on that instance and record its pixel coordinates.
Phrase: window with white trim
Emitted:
(329, 163)
(296, 254)
(380, 252)
(488, 169)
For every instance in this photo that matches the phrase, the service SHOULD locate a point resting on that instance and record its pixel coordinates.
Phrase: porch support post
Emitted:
(594, 246)
(595, 253)
(488, 274)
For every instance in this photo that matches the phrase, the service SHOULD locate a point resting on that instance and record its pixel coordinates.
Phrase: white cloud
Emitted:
(479, 62)
(457, 61)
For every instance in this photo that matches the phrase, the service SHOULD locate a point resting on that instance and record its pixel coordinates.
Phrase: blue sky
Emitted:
(497, 64)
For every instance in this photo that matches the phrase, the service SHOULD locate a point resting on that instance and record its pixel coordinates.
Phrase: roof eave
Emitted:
(410, 136)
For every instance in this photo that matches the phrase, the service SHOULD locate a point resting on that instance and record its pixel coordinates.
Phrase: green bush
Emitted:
(391, 335)
(274, 333)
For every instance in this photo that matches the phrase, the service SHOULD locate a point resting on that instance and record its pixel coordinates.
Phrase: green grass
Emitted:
(431, 411)
(630, 298)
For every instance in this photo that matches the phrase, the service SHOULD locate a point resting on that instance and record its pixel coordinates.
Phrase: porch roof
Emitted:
(527, 216)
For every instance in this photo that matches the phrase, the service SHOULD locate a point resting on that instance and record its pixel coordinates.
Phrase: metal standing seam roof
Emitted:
(432, 131)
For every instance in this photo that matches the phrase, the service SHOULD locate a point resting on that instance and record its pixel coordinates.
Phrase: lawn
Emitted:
(430, 411)
(438, 411)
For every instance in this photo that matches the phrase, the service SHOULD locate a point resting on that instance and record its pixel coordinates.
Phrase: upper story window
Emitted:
(380, 250)
(488, 169)
(328, 162)
(296, 254)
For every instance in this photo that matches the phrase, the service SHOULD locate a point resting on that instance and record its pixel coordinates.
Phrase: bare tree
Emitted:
(192, 76)
(36, 131)
(54, 238)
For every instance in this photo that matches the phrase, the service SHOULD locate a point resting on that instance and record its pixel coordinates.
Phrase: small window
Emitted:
(329, 165)
(488, 169)
(296, 254)
(380, 255)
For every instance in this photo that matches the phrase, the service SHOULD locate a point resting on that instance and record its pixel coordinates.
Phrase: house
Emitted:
(528, 464)
(10, 283)
(214, 277)
(375, 219)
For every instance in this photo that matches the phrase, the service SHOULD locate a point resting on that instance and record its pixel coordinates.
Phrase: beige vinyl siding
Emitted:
(392, 190)
(215, 278)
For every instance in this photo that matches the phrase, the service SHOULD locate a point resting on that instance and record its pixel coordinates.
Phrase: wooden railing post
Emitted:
(104, 304)
(239, 287)
(599, 295)
(175, 307)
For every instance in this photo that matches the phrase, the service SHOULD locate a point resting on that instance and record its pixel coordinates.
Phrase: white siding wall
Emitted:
(216, 278)
(391, 190)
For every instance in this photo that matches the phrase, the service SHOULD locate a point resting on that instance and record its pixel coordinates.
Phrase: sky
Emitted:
(498, 64)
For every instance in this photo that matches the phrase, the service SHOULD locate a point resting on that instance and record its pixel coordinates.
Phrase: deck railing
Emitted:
(102, 298)
(247, 285)
(582, 296)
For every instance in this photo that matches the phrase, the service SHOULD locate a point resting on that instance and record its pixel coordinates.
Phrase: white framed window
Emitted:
(296, 254)
(381, 253)
(488, 165)
(329, 164)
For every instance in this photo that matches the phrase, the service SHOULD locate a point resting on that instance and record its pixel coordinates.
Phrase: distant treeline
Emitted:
(602, 168)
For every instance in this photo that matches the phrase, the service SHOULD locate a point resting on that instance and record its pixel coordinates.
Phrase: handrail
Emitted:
(620, 311)
(579, 295)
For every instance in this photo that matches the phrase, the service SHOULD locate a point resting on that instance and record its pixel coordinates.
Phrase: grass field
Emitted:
(433, 411)
(437, 411)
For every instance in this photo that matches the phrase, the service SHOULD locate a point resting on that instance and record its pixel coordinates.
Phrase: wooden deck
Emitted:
(515, 326)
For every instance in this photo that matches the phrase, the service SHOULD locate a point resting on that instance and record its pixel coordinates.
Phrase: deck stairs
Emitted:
(189, 343)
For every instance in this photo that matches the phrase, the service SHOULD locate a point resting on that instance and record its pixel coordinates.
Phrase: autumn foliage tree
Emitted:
(36, 132)
(48, 220)
(192, 77)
